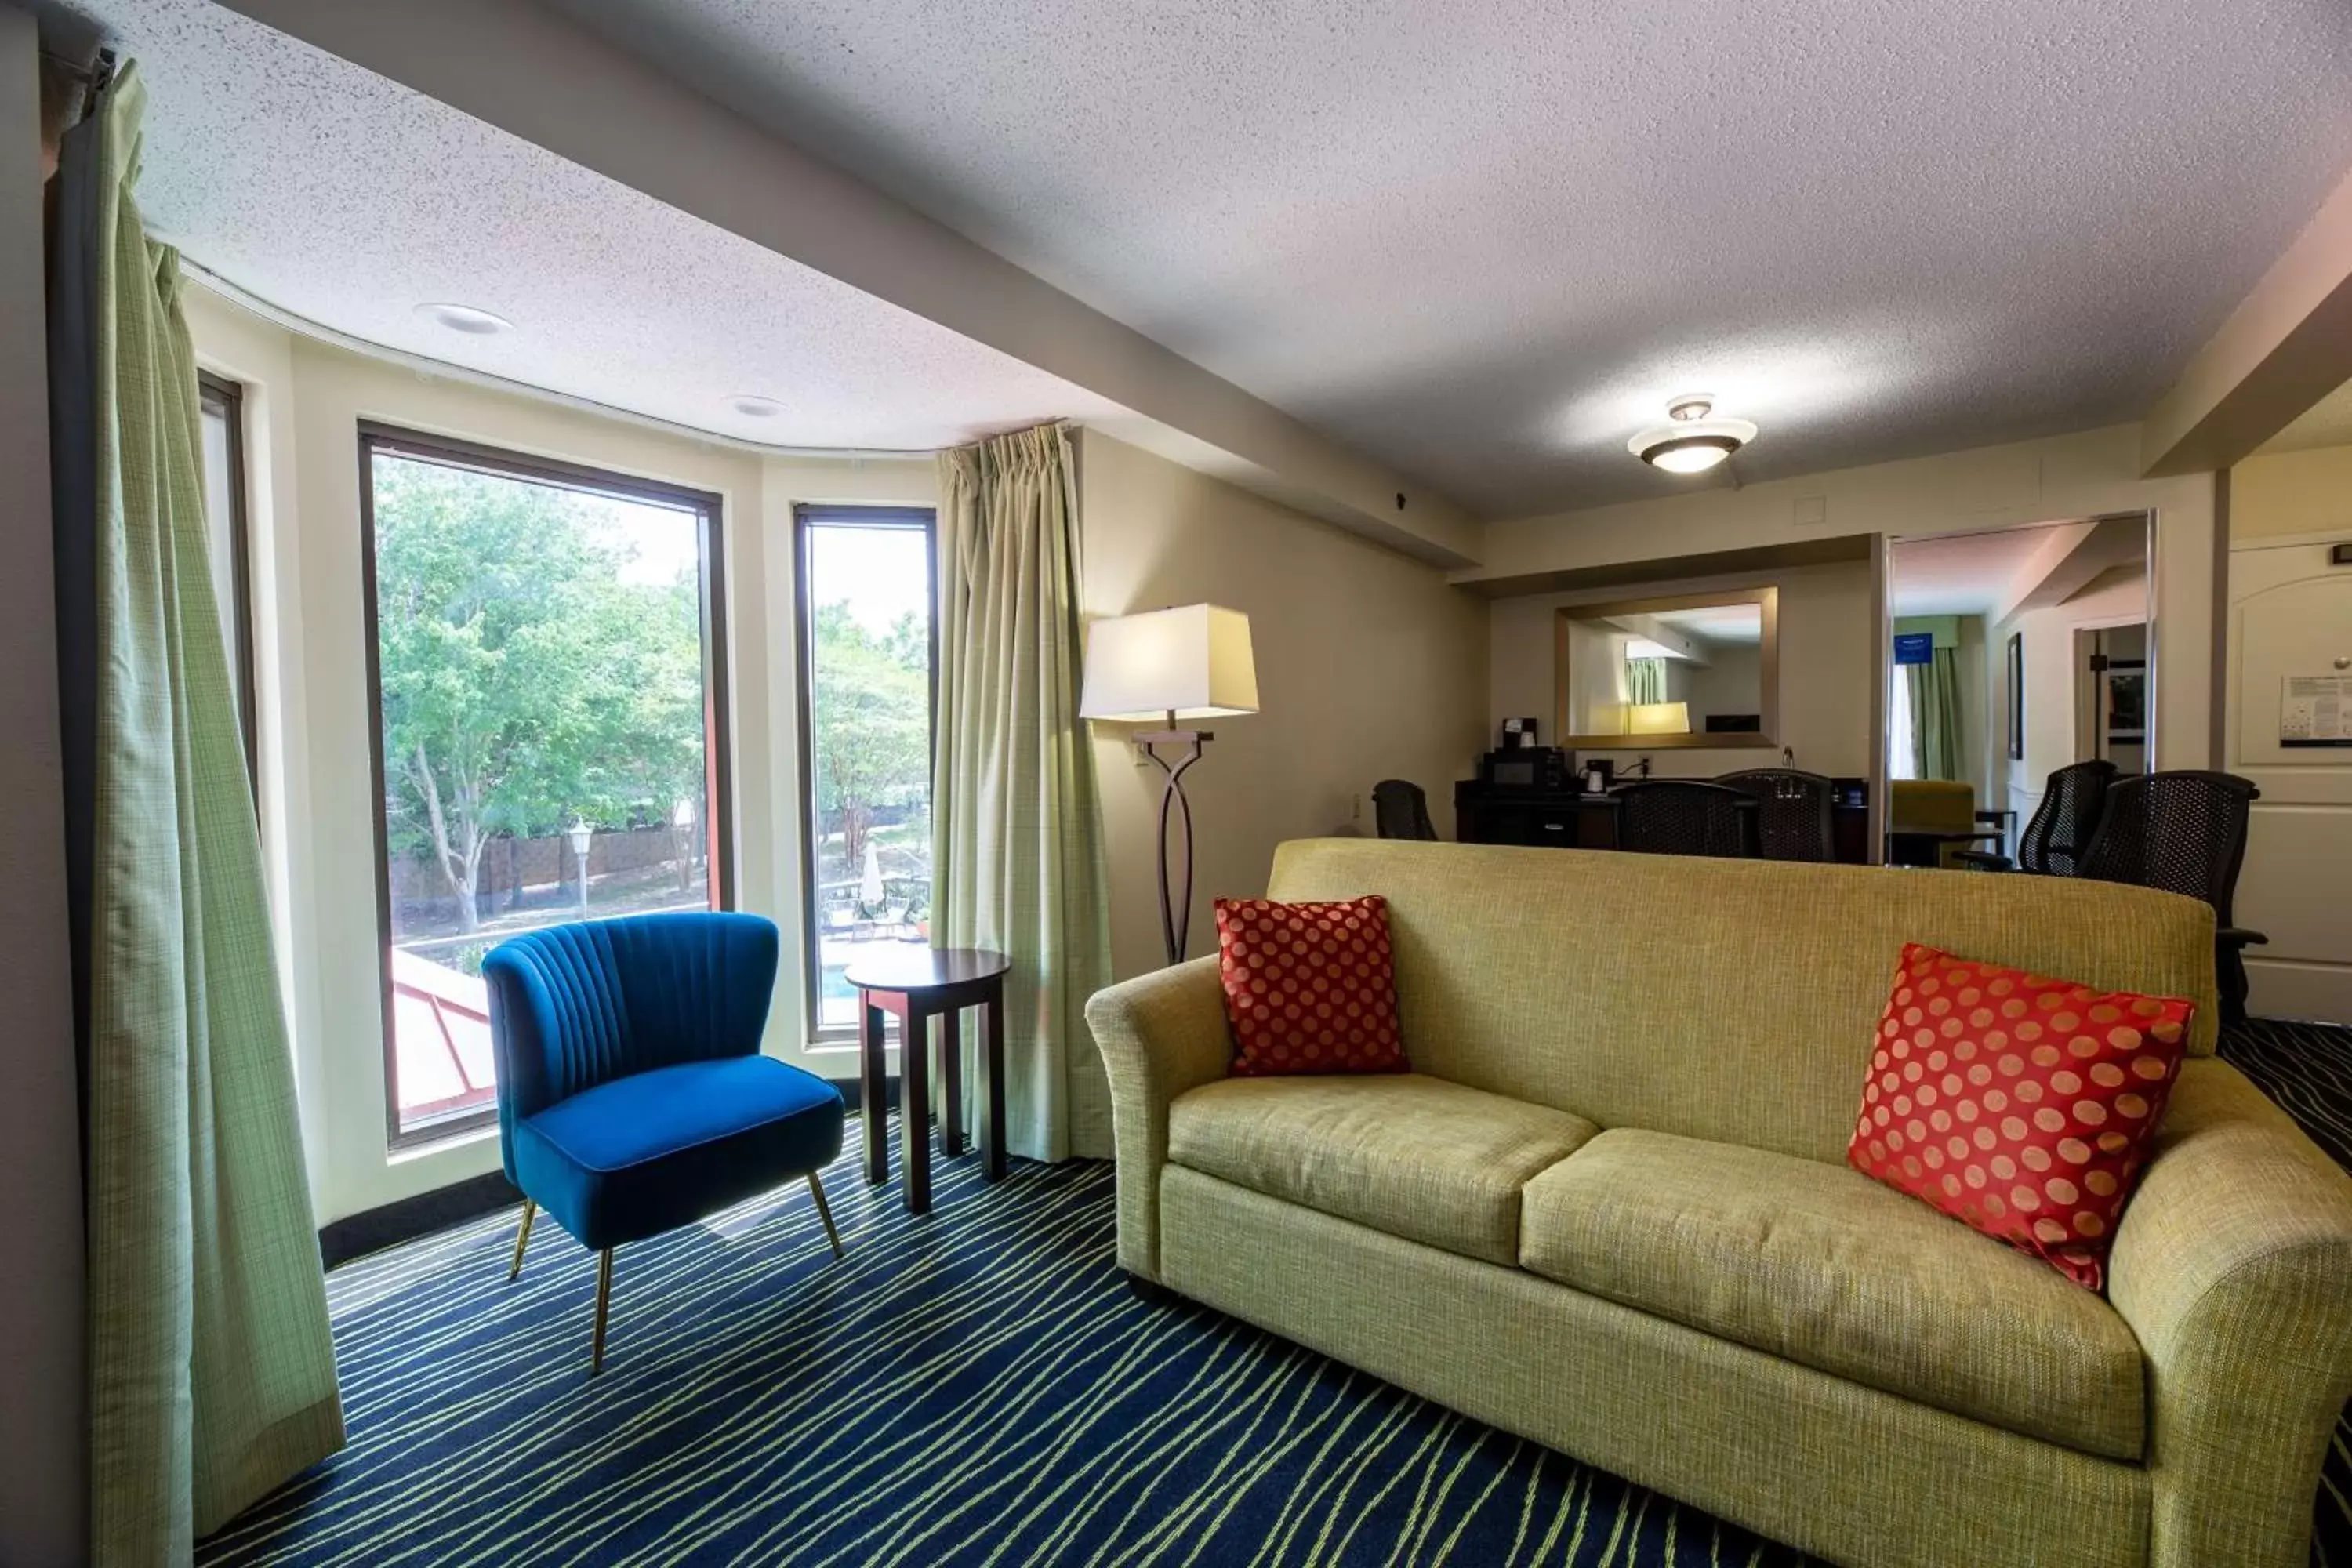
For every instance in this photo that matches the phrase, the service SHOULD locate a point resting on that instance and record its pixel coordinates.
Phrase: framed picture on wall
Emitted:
(2016, 697)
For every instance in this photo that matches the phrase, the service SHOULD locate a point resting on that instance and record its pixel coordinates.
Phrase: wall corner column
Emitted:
(43, 1487)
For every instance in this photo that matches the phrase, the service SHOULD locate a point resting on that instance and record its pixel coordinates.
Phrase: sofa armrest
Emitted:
(1160, 1035)
(2234, 1266)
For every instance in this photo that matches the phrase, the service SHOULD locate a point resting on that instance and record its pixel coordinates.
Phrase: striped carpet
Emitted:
(977, 1389)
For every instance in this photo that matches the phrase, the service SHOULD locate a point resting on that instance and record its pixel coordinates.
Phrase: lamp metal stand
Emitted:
(1176, 914)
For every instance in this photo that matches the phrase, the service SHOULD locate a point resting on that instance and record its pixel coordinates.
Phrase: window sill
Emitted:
(429, 1141)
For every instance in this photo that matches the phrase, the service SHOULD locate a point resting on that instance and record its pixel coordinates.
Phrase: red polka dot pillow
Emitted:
(2020, 1104)
(1309, 987)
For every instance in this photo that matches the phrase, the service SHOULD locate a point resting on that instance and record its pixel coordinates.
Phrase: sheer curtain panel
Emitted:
(1018, 820)
(211, 1372)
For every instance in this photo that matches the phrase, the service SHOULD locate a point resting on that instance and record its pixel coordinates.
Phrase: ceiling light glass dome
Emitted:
(1691, 443)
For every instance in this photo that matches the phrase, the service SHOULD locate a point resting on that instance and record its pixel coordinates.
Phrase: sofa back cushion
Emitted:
(1731, 1000)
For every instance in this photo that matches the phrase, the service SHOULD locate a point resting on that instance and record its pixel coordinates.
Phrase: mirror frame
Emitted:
(1766, 598)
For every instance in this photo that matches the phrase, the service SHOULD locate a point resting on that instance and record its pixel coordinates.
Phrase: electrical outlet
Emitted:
(1356, 808)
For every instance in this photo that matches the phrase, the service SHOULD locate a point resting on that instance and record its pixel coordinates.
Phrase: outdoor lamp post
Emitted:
(581, 834)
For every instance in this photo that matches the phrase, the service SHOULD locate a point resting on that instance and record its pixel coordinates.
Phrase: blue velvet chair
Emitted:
(632, 1097)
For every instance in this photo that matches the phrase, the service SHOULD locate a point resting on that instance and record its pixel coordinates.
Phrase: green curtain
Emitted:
(1646, 680)
(1936, 716)
(211, 1372)
(1017, 818)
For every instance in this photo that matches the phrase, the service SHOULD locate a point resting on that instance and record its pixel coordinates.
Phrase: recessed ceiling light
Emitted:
(753, 407)
(464, 319)
(1692, 443)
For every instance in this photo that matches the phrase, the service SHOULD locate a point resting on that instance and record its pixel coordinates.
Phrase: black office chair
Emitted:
(1684, 817)
(1792, 812)
(1402, 811)
(2061, 827)
(2183, 832)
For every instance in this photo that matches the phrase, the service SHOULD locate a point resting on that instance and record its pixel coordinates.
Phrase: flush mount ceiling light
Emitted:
(1692, 443)
(464, 319)
(753, 407)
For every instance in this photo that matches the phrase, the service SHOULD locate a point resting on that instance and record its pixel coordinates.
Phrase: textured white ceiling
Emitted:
(1487, 241)
(345, 199)
(1960, 573)
(1719, 623)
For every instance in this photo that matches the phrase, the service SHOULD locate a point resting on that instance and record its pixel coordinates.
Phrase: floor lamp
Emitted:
(1165, 668)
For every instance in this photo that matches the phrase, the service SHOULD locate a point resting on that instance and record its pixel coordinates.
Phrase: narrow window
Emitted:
(550, 746)
(221, 403)
(867, 652)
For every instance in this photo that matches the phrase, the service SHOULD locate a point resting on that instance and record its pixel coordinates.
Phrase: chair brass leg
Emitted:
(603, 1299)
(522, 1238)
(825, 1213)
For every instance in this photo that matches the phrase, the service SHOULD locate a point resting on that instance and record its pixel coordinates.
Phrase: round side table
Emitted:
(916, 985)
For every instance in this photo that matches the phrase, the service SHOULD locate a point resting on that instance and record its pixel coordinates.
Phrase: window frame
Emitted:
(719, 770)
(219, 393)
(808, 517)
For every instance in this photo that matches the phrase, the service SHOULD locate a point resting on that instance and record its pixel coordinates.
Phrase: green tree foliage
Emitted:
(526, 676)
(872, 720)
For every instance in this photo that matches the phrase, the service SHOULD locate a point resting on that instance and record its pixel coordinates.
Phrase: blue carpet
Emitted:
(975, 1388)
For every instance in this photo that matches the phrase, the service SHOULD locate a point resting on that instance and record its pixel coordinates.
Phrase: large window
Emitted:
(222, 407)
(545, 660)
(866, 651)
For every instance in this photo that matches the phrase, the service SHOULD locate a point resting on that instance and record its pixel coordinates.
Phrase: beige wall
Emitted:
(2050, 693)
(1825, 669)
(1976, 746)
(42, 1493)
(1369, 667)
(305, 401)
(2284, 494)
(1730, 682)
(2290, 613)
(2063, 478)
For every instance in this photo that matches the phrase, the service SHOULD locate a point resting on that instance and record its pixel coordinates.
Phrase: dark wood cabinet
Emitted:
(1570, 820)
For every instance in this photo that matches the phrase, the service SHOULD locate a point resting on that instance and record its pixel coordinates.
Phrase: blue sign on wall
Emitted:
(1915, 648)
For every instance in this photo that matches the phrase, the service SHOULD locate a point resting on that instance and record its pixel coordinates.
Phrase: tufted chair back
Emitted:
(576, 1005)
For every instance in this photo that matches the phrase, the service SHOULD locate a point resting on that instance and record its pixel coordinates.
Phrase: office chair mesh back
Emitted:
(1402, 811)
(1792, 812)
(2181, 832)
(2062, 827)
(1678, 816)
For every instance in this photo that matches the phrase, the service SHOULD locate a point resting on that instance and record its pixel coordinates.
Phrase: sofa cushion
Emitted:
(1415, 1156)
(1822, 1266)
(639, 1155)
(2018, 1104)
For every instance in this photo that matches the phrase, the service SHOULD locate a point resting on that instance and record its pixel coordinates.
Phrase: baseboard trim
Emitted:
(372, 1230)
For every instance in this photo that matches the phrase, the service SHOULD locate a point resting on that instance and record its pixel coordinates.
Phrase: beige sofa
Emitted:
(1609, 1210)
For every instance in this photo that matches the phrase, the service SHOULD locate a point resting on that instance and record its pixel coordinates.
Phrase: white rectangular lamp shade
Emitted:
(1658, 718)
(1194, 662)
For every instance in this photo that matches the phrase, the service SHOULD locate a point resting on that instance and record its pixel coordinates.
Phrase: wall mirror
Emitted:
(2013, 652)
(1688, 670)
